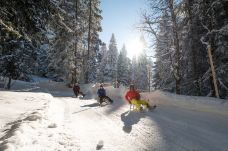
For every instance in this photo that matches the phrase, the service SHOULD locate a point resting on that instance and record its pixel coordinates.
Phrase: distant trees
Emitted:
(102, 60)
(183, 31)
(111, 64)
(143, 66)
(123, 67)
(114, 66)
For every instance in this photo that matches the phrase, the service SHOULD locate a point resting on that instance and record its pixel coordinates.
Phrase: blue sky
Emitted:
(120, 17)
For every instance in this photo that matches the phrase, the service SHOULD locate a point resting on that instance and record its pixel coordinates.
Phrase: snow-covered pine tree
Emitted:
(150, 25)
(93, 16)
(150, 74)
(61, 48)
(102, 60)
(19, 23)
(142, 81)
(123, 67)
(163, 73)
(110, 72)
(133, 70)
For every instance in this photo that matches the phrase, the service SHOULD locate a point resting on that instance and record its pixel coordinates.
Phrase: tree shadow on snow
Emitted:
(129, 119)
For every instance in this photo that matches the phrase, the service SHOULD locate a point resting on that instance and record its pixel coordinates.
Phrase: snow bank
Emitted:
(17, 85)
(206, 104)
(40, 125)
(38, 79)
(13, 104)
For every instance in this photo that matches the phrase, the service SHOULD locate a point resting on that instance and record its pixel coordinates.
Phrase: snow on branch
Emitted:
(213, 5)
(64, 25)
(222, 84)
(10, 29)
(206, 75)
(223, 30)
(61, 23)
(56, 5)
(203, 42)
(148, 26)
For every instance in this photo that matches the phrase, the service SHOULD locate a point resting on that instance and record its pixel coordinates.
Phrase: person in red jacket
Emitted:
(133, 97)
(76, 89)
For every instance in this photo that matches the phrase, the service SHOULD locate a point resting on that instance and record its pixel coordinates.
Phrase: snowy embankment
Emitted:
(205, 104)
(32, 120)
(40, 125)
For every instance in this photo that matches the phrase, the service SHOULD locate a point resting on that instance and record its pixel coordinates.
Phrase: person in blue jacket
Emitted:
(102, 95)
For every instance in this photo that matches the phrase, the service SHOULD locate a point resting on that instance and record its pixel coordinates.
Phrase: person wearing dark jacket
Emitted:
(76, 89)
(102, 95)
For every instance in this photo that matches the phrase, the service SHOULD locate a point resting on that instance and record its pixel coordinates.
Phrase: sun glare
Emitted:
(134, 48)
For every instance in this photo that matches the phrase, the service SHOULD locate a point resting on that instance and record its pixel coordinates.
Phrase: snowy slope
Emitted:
(206, 104)
(62, 122)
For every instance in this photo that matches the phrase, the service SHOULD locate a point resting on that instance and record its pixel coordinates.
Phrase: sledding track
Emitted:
(166, 128)
(113, 128)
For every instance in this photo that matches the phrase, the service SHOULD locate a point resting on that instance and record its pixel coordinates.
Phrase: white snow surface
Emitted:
(44, 116)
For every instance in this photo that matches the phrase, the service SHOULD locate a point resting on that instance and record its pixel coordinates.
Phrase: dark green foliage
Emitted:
(20, 21)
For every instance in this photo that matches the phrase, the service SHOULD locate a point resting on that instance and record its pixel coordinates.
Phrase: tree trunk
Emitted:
(9, 83)
(89, 32)
(213, 71)
(74, 77)
(89, 40)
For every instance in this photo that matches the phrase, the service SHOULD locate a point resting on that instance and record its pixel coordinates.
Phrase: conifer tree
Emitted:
(133, 71)
(122, 67)
(93, 15)
(111, 66)
(19, 23)
(142, 69)
(102, 60)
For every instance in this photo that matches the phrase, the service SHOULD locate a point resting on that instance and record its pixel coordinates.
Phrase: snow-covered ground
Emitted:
(206, 104)
(44, 116)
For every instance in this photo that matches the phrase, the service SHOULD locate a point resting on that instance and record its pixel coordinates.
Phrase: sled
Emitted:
(80, 96)
(105, 101)
(133, 108)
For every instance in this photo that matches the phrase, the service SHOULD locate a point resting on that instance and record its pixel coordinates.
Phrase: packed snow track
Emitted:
(81, 124)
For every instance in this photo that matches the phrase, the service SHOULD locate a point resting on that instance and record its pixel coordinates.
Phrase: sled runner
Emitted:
(79, 96)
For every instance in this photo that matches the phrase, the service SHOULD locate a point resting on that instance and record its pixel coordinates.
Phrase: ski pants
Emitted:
(138, 103)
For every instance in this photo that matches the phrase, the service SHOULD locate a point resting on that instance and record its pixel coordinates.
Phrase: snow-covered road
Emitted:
(65, 123)
(166, 128)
